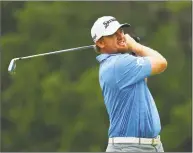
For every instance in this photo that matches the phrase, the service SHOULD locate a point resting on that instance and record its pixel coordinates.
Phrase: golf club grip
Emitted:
(137, 39)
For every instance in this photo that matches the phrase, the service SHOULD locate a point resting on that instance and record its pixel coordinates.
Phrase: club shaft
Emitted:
(56, 52)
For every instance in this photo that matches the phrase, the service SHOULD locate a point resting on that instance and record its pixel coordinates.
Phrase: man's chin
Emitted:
(122, 49)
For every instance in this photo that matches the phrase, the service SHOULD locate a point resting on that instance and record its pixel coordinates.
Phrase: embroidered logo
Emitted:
(106, 23)
(94, 37)
(140, 61)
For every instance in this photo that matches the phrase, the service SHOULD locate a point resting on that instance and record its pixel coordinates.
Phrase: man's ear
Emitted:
(100, 43)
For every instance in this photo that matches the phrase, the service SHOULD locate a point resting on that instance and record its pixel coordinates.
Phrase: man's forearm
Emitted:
(142, 50)
(158, 62)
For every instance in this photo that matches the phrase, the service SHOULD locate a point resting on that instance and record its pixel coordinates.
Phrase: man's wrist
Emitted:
(136, 47)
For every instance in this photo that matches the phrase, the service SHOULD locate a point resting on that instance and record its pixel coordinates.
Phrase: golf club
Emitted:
(12, 65)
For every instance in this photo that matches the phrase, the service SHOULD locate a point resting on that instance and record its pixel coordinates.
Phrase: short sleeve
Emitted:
(130, 69)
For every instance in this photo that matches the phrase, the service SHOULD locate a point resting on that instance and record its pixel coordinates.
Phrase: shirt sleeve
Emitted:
(130, 69)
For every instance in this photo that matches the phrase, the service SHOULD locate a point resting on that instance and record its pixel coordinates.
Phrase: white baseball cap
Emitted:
(104, 26)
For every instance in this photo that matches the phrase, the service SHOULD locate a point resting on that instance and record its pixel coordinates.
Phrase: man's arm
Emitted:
(134, 54)
(158, 62)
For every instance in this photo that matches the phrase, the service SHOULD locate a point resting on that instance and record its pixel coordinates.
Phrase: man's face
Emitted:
(113, 43)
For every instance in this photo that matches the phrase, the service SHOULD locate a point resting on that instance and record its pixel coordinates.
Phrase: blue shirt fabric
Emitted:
(129, 103)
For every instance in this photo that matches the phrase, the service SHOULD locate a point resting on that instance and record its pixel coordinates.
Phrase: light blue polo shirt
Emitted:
(129, 103)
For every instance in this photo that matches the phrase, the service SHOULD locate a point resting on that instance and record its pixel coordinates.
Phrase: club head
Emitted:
(12, 66)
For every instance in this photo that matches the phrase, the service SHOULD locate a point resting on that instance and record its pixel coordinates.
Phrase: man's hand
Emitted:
(131, 43)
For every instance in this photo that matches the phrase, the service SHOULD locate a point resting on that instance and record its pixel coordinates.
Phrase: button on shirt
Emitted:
(129, 103)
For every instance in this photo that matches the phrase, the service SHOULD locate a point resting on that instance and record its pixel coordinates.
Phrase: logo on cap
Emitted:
(94, 37)
(106, 23)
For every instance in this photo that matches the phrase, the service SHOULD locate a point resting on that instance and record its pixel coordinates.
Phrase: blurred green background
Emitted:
(54, 103)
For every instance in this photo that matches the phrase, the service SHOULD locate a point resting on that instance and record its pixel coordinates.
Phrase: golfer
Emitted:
(133, 116)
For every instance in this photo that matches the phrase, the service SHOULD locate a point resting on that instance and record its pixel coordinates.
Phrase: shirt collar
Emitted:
(103, 57)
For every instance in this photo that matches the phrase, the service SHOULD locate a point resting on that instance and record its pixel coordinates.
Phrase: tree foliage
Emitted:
(54, 103)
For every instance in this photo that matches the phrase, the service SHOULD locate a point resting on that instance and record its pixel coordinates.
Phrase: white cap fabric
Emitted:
(104, 26)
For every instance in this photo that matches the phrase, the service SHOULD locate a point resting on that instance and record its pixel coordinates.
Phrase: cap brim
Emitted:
(112, 31)
(125, 25)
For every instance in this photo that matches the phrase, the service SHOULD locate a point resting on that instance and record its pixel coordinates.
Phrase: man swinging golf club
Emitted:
(134, 119)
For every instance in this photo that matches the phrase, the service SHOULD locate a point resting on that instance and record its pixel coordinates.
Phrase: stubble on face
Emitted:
(114, 43)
